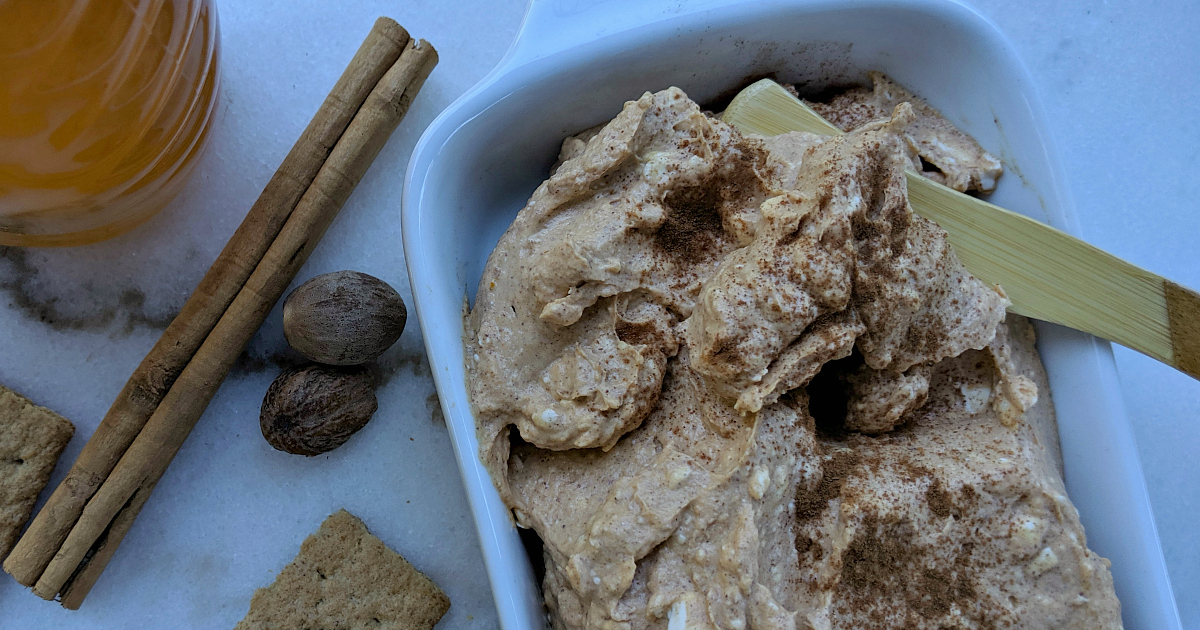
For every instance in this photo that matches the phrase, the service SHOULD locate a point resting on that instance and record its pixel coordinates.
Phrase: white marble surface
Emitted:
(1118, 83)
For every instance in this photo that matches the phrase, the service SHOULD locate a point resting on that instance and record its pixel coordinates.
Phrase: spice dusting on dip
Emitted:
(733, 382)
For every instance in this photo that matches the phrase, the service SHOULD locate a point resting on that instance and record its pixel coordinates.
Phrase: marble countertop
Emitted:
(1116, 79)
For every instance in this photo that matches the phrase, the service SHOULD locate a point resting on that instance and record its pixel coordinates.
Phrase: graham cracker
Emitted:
(343, 579)
(31, 440)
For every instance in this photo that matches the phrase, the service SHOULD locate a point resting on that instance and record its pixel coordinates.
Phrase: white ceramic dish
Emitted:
(576, 61)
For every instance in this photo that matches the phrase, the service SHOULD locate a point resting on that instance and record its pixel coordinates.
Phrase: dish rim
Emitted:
(526, 58)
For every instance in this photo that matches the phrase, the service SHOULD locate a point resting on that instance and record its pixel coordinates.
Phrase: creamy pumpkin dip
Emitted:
(733, 382)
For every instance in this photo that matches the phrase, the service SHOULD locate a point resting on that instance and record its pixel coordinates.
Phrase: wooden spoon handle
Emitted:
(1054, 276)
(1048, 274)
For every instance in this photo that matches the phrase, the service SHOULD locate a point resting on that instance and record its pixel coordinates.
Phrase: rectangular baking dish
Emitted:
(573, 66)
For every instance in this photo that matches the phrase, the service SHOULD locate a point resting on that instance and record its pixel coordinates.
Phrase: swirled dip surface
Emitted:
(733, 382)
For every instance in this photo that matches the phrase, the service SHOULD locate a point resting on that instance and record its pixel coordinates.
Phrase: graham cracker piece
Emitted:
(31, 440)
(344, 579)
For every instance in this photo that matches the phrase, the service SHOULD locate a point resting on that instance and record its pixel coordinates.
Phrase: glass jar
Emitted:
(104, 107)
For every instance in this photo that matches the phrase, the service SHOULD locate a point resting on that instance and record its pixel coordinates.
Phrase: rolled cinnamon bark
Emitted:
(111, 511)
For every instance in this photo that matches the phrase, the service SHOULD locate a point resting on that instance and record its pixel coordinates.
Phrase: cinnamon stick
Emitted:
(110, 513)
(162, 366)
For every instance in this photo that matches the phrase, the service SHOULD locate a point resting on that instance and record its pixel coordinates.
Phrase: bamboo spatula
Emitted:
(1048, 274)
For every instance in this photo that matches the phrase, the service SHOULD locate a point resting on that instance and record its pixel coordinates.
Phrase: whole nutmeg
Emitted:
(314, 409)
(343, 318)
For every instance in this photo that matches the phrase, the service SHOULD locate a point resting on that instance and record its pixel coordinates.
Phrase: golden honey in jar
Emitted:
(104, 108)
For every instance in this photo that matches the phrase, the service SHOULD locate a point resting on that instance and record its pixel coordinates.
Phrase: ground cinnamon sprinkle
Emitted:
(810, 504)
(879, 550)
(939, 500)
(694, 214)
(850, 109)
(968, 496)
(635, 333)
(883, 567)
(693, 224)
(834, 473)
(936, 592)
